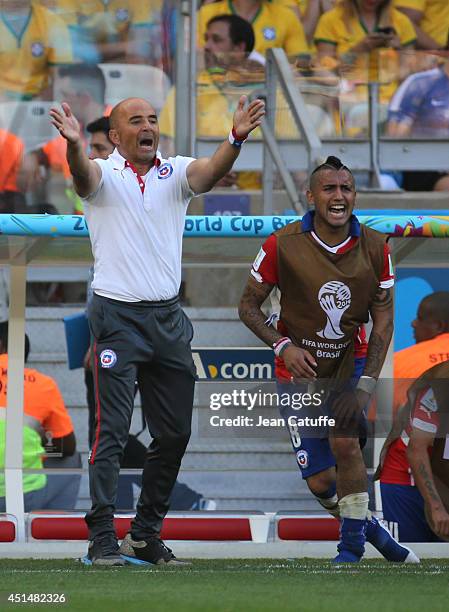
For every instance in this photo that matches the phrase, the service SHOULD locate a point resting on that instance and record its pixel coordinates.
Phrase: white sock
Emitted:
(354, 506)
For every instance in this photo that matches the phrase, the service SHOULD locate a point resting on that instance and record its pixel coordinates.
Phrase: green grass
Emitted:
(231, 585)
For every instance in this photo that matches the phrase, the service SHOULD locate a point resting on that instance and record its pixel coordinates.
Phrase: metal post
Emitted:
(14, 410)
(270, 114)
(373, 110)
(384, 404)
(192, 79)
(272, 147)
(184, 86)
(297, 105)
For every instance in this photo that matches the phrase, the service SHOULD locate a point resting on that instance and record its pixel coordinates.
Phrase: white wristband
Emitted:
(234, 140)
(281, 345)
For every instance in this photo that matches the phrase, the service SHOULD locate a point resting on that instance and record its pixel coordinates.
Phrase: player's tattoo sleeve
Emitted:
(382, 314)
(251, 314)
(418, 458)
(427, 481)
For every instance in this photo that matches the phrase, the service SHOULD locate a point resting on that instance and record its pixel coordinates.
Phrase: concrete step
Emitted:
(268, 492)
(213, 327)
(233, 461)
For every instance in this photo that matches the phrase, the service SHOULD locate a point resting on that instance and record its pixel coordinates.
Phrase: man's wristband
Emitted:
(367, 384)
(235, 140)
(280, 346)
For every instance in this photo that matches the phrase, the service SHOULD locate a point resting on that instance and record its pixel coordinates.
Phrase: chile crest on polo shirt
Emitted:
(165, 171)
(108, 358)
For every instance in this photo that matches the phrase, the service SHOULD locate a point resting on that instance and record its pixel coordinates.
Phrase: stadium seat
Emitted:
(297, 527)
(7, 528)
(177, 526)
(127, 80)
(28, 120)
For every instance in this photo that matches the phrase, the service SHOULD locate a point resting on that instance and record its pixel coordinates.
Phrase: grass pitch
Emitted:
(232, 585)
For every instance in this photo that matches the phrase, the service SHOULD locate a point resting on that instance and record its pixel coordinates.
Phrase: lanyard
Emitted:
(139, 178)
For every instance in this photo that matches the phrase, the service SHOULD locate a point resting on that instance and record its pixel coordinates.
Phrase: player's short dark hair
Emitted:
(331, 163)
(100, 125)
(240, 30)
(4, 339)
(438, 306)
(89, 77)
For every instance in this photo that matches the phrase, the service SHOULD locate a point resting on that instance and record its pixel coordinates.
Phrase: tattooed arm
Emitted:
(382, 315)
(349, 406)
(250, 313)
(298, 361)
(418, 457)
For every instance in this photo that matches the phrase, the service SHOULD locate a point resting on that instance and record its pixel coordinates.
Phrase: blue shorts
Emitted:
(313, 453)
(403, 505)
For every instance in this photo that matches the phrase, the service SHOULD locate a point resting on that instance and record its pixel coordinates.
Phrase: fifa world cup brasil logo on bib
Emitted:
(334, 298)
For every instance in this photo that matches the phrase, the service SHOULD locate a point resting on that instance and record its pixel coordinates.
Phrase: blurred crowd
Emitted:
(94, 53)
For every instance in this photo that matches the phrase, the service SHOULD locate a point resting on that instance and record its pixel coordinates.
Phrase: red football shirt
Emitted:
(424, 416)
(265, 270)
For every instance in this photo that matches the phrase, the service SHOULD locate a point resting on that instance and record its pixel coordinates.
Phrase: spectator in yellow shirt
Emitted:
(114, 30)
(431, 21)
(308, 12)
(273, 24)
(365, 37)
(229, 72)
(32, 41)
(228, 42)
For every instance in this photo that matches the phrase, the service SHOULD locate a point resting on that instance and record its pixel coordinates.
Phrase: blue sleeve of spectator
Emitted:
(407, 100)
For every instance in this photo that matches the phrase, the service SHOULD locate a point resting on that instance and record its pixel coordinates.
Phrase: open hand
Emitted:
(440, 520)
(247, 118)
(299, 362)
(66, 123)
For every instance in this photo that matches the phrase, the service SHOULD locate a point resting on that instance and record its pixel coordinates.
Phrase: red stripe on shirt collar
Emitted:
(128, 164)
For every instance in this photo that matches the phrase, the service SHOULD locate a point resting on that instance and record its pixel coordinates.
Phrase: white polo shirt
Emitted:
(137, 237)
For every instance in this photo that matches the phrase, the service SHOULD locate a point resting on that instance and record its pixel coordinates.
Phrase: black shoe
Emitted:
(152, 550)
(103, 550)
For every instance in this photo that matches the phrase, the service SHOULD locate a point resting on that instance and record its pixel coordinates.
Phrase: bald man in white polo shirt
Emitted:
(135, 204)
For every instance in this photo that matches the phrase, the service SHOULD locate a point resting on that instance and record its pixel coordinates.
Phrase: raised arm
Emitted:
(205, 172)
(85, 172)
